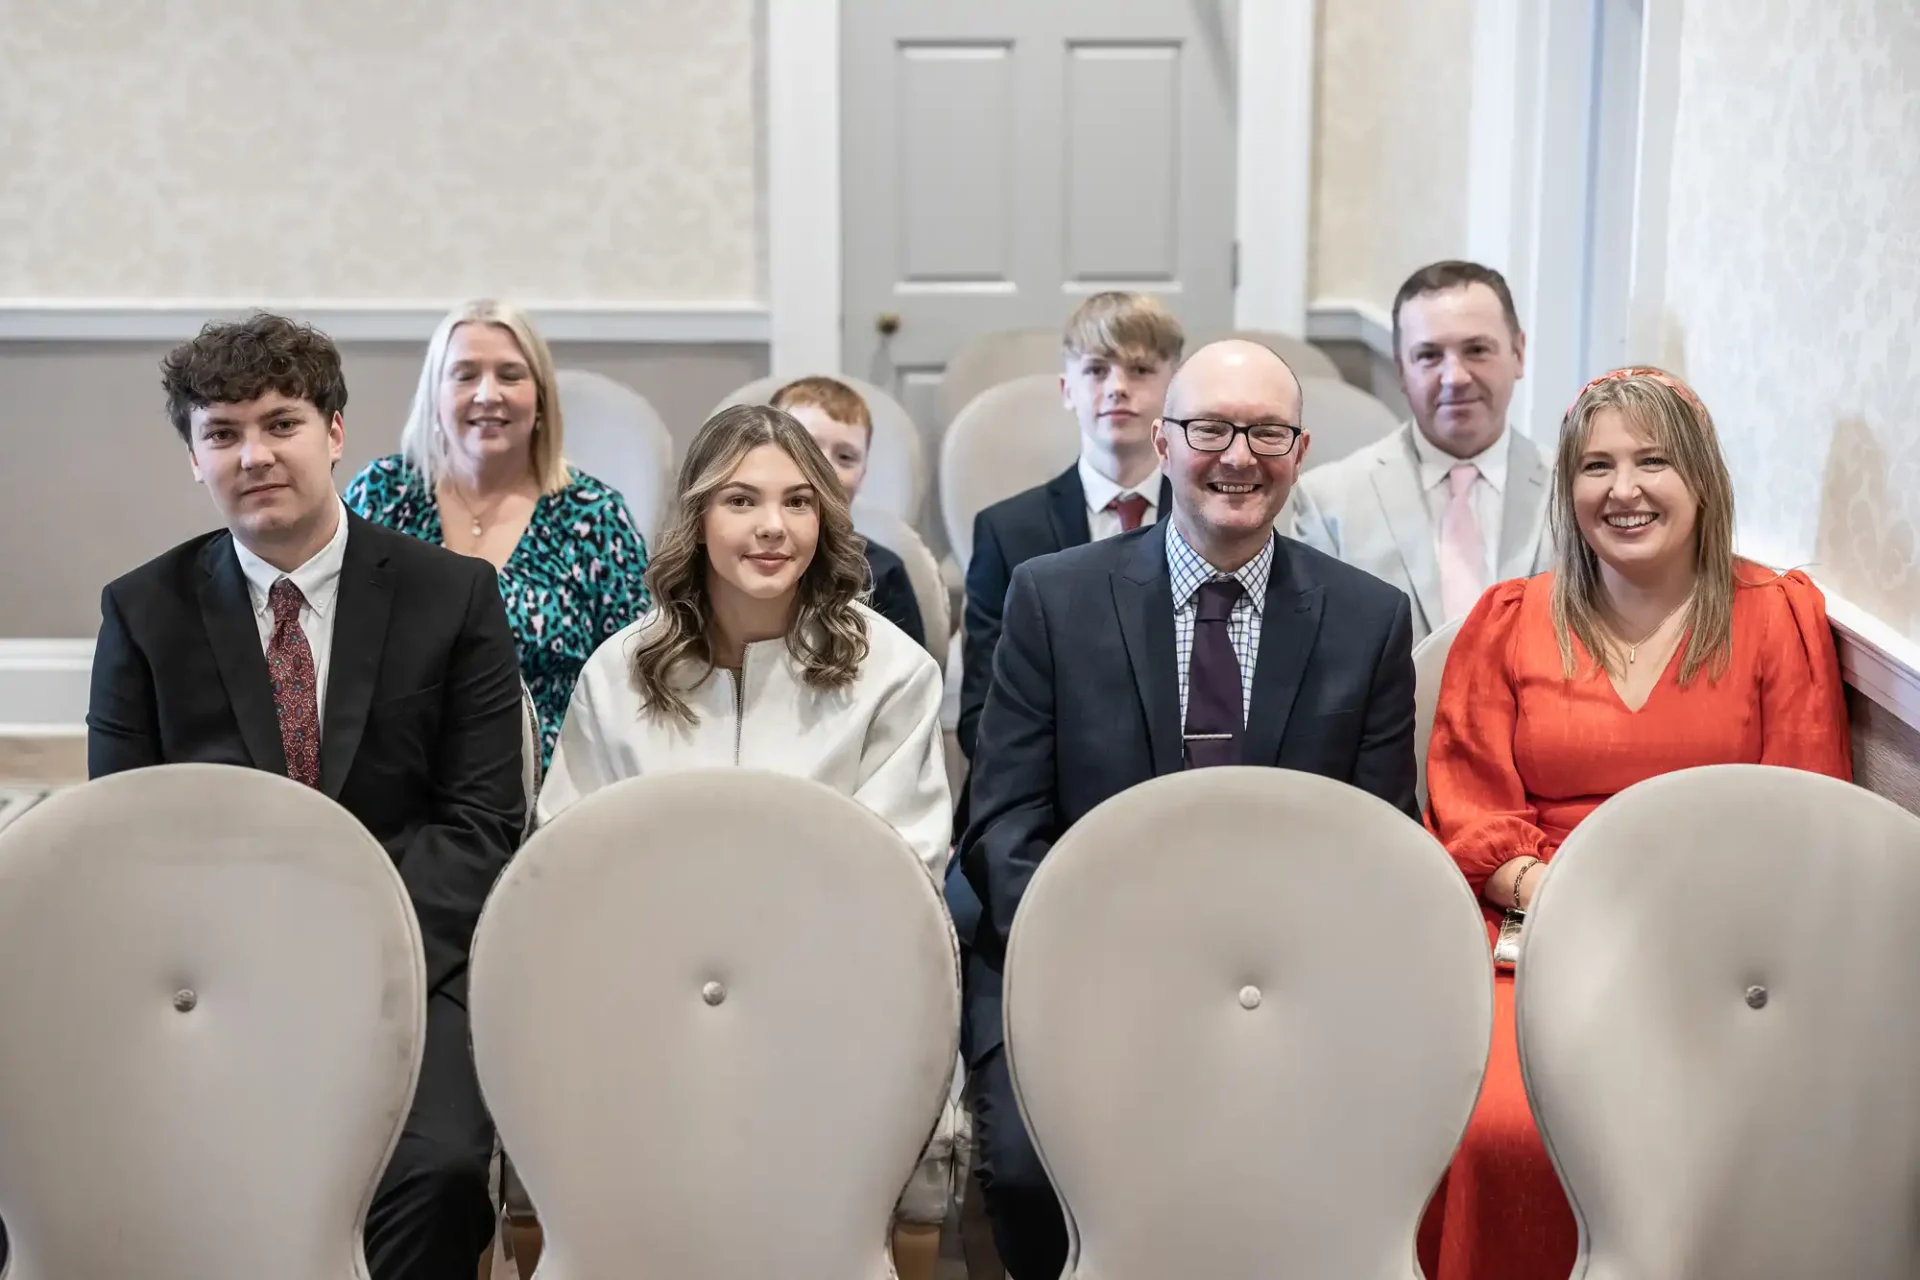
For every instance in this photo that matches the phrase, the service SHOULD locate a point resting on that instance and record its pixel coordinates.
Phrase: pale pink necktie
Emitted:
(1463, 562)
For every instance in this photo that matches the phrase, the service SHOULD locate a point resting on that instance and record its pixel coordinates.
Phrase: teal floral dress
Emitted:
(573, 580)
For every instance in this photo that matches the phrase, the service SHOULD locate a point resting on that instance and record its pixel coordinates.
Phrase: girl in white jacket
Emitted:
(757, 651)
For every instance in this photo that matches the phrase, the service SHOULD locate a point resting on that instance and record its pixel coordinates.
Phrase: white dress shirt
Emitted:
(1488, 504)
(1101, 491)
(319, 581)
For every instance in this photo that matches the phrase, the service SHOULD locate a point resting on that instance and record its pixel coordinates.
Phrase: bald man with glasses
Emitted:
(1205, 640)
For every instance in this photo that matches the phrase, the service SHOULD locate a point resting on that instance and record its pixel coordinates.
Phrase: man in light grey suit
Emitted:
(1454, 501)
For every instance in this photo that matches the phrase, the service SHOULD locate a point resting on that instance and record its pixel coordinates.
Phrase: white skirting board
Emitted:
(43, 687)
(43, 683)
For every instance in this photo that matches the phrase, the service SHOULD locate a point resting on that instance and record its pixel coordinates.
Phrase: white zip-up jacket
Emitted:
(877, 740)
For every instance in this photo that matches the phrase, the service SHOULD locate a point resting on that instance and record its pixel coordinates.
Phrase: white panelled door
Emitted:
(1002, 159)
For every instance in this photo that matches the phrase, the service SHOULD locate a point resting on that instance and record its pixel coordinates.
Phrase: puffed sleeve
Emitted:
(1803, 710)
(1476, 803)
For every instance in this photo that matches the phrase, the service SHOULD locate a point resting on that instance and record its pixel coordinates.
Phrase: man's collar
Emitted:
(1436, 462)
(318, 579)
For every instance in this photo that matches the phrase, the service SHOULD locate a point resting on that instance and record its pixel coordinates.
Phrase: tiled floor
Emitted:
(31, 767)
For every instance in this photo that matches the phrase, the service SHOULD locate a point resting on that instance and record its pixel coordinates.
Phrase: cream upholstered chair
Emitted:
(530, 744)
(1429, 665)
(1008, 438)
(614, 434)
(1284, 986)
(929, 592)
(1305, 359)
(714, 1016)
(1716, 1021)
(994, 358)
(214, 998)
(1342, 418)
(896, 464)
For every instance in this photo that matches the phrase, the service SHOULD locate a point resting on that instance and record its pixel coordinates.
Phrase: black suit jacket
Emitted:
(420, 735)
(1038, 522)
(1085, 702)
(892, 596)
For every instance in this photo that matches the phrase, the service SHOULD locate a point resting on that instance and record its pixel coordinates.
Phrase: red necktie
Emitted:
(295, 696)
(1132, 508)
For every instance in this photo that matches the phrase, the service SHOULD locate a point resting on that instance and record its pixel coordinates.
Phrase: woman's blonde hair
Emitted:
(423, 441)
(1665, 410)
(828, 637)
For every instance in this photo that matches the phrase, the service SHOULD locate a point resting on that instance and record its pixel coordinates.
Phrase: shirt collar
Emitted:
(1189, 571)
(1101, 491)
(318, 579)
(1435, 462)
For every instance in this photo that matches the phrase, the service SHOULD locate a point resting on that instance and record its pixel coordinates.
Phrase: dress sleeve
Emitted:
(903, 769)
(1476, 802)
(1803, 710)
(359, 496)
(623, 561)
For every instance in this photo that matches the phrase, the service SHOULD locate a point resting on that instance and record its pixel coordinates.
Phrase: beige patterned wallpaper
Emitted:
(576, 149)
(1392, 95)
(1794, 279)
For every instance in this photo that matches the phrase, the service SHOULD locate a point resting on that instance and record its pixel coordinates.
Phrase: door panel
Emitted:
(1003, 159)
(1121, 148)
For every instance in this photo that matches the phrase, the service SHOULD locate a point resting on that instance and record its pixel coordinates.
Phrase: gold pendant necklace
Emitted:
(1633, 647)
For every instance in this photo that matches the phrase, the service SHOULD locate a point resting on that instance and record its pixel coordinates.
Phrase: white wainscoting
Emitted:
(1347, 320)
(176, 319)
(43, 687)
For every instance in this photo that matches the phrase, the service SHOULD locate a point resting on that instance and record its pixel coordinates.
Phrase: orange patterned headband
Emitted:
(1638, 371)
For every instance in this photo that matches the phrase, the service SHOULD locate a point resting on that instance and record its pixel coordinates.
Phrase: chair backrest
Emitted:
(1717, 1027)
(615, 435)
(929, 589)
(1219, 1054)
(214, 998)
(1305, 359)
(1429, 666)
(1342, 418)
(715, 1016)
(531, 745)
(994, 358)
(1008, 438)
(896, 464)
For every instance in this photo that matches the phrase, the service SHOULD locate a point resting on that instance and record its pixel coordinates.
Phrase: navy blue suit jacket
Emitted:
(1085, 702)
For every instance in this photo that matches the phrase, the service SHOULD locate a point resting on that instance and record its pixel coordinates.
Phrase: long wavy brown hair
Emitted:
(1667, 411)
(828, 637)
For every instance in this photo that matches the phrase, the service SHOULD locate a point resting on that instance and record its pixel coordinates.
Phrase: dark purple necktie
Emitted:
(1214, 691)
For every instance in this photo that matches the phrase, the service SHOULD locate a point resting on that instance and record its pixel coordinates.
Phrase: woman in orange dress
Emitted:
(1649, 648)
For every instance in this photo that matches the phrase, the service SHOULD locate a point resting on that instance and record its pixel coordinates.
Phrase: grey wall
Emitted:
(95, 482)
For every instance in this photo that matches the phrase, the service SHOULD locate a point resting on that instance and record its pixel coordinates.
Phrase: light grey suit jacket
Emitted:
(1367, 509)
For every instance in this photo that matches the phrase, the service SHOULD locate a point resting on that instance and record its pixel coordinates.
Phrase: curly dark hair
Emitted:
(231, 363)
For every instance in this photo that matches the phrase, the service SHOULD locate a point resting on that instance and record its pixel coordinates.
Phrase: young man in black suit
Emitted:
(1120, 349)
(1208, 640)
(377, 668)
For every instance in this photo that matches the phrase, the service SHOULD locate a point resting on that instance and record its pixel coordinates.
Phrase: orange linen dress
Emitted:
(1519, 756)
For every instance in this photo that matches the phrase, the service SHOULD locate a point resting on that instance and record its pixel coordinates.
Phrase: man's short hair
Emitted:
(830, 396)
(1438, 277)
(231, 363)
(1115, 325)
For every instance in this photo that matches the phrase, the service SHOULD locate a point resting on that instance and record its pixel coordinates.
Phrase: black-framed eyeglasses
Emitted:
(1215, 435)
